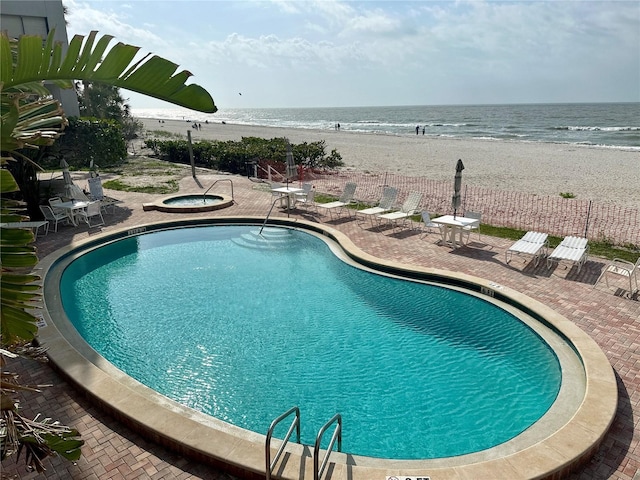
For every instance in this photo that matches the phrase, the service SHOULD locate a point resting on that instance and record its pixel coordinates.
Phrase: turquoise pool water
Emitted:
(242, 328)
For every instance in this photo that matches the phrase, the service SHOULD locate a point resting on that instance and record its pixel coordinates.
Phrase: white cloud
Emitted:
(335, 13)
(373, 23)
(388, 52)
(83, 18)
(287, 6)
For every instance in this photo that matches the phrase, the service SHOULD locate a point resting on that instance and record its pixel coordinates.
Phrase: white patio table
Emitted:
(287, 192)
(454, 226)
(71, 208)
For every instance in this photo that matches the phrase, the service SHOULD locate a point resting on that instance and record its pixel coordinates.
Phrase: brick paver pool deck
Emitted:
(609, 315)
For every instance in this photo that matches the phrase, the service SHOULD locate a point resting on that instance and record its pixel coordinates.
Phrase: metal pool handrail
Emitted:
(266, 219)
(295, 424)
(337, 433)
(204, 195)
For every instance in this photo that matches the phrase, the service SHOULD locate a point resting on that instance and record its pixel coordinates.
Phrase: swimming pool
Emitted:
(380, 303)
(242, 326)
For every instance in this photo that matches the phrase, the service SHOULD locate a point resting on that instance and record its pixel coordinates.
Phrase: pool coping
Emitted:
(242, 452)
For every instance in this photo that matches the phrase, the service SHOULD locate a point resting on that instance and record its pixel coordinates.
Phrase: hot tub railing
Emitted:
(204, 195)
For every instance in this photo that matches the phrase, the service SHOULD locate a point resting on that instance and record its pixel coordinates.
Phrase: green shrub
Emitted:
(87, 139)
(232, 156)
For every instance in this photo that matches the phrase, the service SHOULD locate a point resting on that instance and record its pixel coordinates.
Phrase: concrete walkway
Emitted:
(112, 451)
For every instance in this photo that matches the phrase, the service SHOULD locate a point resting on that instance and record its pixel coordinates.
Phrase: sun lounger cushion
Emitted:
(335, 204)
(372, 211)
(571, 249)
(532, 243)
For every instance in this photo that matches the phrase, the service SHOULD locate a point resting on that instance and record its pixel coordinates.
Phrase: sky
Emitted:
(332, 53)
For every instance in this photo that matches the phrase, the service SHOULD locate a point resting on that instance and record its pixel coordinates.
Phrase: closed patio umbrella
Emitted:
(292, 171)
(71, 190)
(457, 186)
(68, 182)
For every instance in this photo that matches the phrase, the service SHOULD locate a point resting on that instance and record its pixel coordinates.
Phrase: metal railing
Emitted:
(337, 434)
(204, 195)
(266, 219)
(294, 424)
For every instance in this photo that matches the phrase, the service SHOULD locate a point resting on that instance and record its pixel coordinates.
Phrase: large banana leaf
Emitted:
(31, 124)
(18, 286)
(8, 184)
(37, 61)
(19, 291)
(29, 118)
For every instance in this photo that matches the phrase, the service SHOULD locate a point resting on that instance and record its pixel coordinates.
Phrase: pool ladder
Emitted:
(318, 469)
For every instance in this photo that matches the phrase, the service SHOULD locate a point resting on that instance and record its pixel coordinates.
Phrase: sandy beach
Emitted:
(603, 175)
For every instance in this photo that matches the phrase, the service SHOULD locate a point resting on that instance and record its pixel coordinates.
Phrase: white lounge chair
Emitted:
(345, 199)
(572, 249)
(97, 194)
(93, 210)
(389, 195)
(621, 268)
(409, 207)
(53, 216)
(533, 244)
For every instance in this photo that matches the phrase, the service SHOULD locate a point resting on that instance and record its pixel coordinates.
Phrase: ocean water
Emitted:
(611, 125)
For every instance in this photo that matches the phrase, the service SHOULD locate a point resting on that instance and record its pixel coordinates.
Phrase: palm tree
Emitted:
(30, 118)
(101, 101)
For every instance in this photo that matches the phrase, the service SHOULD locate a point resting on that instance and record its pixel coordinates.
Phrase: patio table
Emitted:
(287, 192)
(454, 226)
(71, 209)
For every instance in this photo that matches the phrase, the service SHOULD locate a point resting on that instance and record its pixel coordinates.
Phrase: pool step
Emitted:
(269, 239)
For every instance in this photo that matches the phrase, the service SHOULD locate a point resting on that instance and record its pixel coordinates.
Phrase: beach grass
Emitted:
(170, 186)
(164, 134)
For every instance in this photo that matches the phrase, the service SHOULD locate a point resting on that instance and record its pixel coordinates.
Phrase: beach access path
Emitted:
(115, 452)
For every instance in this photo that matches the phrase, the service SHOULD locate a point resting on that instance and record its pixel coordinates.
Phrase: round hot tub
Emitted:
(190, 203)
